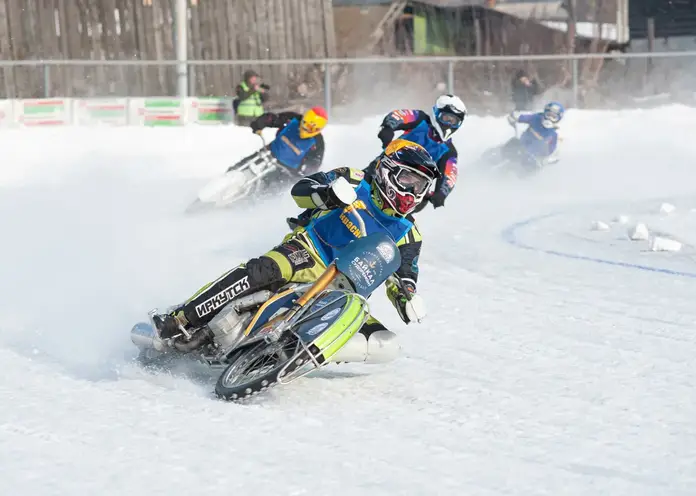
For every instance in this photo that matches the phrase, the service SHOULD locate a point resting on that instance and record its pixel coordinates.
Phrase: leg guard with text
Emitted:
(292, 261)
(256, 274)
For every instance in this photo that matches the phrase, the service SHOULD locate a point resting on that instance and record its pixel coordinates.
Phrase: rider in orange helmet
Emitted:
(298, 145)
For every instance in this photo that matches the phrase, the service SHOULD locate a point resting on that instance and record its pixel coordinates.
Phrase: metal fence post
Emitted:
(576, 83)
(327, 88)
(181, 48)
(450, 77)
(47, 80)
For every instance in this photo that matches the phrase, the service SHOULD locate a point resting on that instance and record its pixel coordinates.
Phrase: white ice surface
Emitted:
(536, 372)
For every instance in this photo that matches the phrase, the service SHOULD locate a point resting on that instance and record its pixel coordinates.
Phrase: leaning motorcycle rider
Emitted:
(298, 145)
(403, 175)
(433, 132)
(540, 139)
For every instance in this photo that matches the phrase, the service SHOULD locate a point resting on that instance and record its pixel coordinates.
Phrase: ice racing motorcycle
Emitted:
(515, 158)
(251, 176)
(267, 339)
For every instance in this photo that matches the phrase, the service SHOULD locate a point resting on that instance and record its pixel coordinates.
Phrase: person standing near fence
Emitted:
(251, 95)
(524, 89)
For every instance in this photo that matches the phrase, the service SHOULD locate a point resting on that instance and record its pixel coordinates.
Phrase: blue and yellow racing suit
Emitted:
(304, 254)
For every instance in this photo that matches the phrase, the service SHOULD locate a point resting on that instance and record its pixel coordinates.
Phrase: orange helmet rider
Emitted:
(313, 121)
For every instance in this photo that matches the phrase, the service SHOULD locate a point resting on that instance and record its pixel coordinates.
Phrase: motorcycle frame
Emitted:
(295, 315)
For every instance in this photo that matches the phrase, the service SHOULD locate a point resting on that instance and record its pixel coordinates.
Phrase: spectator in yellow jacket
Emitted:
(251, 95)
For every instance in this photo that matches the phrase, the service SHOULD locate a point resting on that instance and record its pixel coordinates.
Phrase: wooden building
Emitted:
(145, 30)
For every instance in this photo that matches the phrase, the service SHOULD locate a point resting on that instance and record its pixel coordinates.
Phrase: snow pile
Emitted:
(667, 208)
(639, 232)
(658, 243)
(660, 238)
(598, 225)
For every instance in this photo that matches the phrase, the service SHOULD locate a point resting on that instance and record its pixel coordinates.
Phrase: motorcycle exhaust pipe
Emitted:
(143, 336)
(196, 341)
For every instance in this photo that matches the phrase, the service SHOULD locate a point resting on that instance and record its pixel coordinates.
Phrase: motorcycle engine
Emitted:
(229, 324)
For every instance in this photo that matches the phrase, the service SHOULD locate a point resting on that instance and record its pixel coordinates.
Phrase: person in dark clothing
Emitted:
(524, 89)
(250, 97)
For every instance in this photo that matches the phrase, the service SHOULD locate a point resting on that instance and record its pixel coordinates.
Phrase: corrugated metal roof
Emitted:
(549, 10)
(498, 4)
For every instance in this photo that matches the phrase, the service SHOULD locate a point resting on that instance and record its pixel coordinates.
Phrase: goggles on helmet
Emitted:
(450, 119)
(552, 114)
(408, 180)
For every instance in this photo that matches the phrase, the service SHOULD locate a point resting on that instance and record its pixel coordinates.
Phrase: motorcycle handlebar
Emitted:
(353, 208)
(260, 135)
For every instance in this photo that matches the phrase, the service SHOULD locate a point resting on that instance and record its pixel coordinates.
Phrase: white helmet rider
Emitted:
(448, 114)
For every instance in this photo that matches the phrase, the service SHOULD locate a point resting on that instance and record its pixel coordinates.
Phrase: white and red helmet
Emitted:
(404, 174)
(448, 114)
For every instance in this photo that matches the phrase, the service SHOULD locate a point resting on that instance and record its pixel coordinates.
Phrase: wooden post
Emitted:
(572, 30)
(477, 35)
(572, 26)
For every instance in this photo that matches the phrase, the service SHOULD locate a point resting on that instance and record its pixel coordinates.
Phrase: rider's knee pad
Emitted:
(263, 271)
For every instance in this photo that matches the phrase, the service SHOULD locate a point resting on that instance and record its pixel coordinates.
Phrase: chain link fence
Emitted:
(352, 88)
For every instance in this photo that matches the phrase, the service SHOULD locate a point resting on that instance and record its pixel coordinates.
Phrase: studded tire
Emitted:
(235, 384)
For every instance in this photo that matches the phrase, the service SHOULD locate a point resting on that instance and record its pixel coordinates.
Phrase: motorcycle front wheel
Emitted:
(257, 368)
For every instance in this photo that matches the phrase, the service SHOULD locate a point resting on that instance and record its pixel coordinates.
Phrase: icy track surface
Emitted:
(552, 361)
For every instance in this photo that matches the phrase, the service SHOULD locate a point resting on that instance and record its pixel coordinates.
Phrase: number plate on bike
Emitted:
(368, 262)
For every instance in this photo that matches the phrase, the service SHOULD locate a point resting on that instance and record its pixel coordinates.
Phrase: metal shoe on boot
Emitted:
(381, 347)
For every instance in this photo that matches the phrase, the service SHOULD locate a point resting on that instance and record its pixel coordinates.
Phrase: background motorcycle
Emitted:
(245, 179)
(513, 157)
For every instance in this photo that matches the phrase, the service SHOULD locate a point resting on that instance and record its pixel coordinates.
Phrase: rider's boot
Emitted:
(168, 325)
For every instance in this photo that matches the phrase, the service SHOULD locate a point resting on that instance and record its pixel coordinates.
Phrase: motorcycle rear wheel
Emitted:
(257, 368)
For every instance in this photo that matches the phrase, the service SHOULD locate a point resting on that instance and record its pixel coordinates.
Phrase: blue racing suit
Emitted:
(539, 141)
(301, 156)
(304, 254)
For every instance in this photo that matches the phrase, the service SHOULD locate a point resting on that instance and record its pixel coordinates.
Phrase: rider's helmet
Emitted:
(448, 114)
(313, 121)
(553, 113)
(404, 173)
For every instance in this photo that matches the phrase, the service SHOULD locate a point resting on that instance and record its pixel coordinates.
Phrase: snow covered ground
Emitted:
(556, 359)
